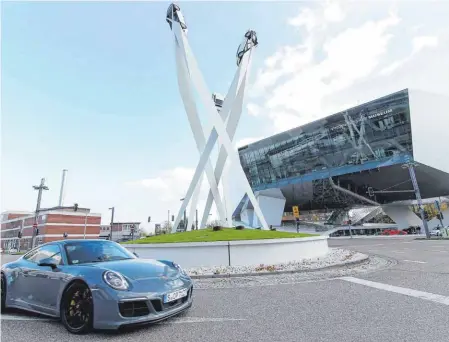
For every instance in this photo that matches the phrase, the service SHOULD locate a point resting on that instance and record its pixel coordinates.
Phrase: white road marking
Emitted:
(10, 317)
(398, 252)
(200, 320)
(416, 261)
(401, 290)
(351, 246)
(241, 286)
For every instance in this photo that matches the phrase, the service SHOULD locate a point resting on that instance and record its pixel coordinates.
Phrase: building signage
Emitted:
(370, 116)
(383, 112)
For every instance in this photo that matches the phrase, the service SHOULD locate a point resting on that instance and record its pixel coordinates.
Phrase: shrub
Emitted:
(240, 227)
(217, 228)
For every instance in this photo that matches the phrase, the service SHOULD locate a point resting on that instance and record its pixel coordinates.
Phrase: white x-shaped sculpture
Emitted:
(189, 76)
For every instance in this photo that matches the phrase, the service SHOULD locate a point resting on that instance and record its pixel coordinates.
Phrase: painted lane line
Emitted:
(9, 317)
(200, 320)
(372, 245)
(400, 290)
(242, 286)
(416, 261)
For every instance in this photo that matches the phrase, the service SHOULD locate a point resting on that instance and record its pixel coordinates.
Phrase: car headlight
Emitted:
(115, 280)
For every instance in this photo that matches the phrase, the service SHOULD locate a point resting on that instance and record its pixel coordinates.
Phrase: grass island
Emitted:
(226, 234)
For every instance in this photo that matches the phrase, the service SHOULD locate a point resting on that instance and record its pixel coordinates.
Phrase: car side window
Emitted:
(44, 252)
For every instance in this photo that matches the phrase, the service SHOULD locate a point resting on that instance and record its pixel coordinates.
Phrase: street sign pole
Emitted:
(440, 217)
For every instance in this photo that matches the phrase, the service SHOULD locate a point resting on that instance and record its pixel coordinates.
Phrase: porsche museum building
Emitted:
(360, 148)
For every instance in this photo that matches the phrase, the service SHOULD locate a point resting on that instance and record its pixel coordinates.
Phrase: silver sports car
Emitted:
(94, 284)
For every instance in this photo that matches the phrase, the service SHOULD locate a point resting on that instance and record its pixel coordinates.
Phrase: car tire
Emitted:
(77, 308)
(3, 293)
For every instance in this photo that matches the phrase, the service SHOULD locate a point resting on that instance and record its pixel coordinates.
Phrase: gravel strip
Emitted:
(335, 257)
(372, 264)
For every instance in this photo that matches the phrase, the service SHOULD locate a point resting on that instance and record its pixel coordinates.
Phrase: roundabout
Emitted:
(229, 247)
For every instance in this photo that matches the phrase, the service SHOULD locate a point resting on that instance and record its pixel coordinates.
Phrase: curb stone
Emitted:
(255, 274)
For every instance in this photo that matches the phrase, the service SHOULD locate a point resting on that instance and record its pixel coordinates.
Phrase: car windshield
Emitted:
(84, 252)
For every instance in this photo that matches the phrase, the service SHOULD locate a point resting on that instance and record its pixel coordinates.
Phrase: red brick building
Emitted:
(52, 224)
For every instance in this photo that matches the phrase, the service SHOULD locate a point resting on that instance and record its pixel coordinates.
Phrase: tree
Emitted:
(213, 223)
(166, 228)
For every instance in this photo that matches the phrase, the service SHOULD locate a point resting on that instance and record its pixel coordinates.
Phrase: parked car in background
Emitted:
(435, 232)
(394, 232)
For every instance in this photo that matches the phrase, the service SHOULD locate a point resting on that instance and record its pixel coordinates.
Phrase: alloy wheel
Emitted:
(78, 309)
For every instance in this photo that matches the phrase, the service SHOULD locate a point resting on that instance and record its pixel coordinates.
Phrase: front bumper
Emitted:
(130, 309)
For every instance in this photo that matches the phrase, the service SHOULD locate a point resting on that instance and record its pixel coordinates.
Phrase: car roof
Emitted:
(65, 242)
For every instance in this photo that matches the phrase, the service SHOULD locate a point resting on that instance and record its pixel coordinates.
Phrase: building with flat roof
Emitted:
(52, 223)
(121, 231)
(360, 148)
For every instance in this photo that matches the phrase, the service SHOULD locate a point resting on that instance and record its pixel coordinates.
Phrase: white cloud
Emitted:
(247, 141)
(253, 109)
(167, 188)
(333, 12)
(342, 51)
(169, 185)
(422, 42)
(419, 43)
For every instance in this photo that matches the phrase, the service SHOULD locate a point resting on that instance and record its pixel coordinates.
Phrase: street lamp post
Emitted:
(196, 219)
(185, 218)
(85, 225)
(112, 218)
(168, 221)
(39, 188)
(410, 165)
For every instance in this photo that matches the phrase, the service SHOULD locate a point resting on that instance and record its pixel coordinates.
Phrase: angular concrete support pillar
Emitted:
(272, 204)
(403, 216)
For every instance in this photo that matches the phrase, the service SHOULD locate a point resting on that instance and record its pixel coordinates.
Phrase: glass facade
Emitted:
(367, 136)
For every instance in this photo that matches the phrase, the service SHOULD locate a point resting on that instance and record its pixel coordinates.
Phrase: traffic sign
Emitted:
(296, 211)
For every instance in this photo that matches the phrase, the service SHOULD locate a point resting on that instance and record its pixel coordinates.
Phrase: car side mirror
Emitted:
(137, 255)
(48, 262)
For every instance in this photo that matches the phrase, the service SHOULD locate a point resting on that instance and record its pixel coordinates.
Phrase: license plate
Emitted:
(170, 297)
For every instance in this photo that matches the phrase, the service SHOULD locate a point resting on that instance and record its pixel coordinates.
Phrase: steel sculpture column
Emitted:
(224, 124)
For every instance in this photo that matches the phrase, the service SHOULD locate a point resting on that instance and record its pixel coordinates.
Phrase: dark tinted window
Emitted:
(82, 252)
(49, 251)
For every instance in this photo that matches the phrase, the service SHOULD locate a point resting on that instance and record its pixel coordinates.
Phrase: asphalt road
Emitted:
(406, 302)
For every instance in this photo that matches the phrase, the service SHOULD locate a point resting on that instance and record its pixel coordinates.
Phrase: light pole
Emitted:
(196, 219)
(349, 223)
(85, 225)
(168, 221)
(185, 218)
(112, 218)
(39, 188)
(132, 232)
(410, 165)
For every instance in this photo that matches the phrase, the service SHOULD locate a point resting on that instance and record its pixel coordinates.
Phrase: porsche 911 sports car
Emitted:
(94, 284)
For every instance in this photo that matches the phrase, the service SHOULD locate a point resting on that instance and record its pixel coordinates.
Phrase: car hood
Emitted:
(138, 269)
